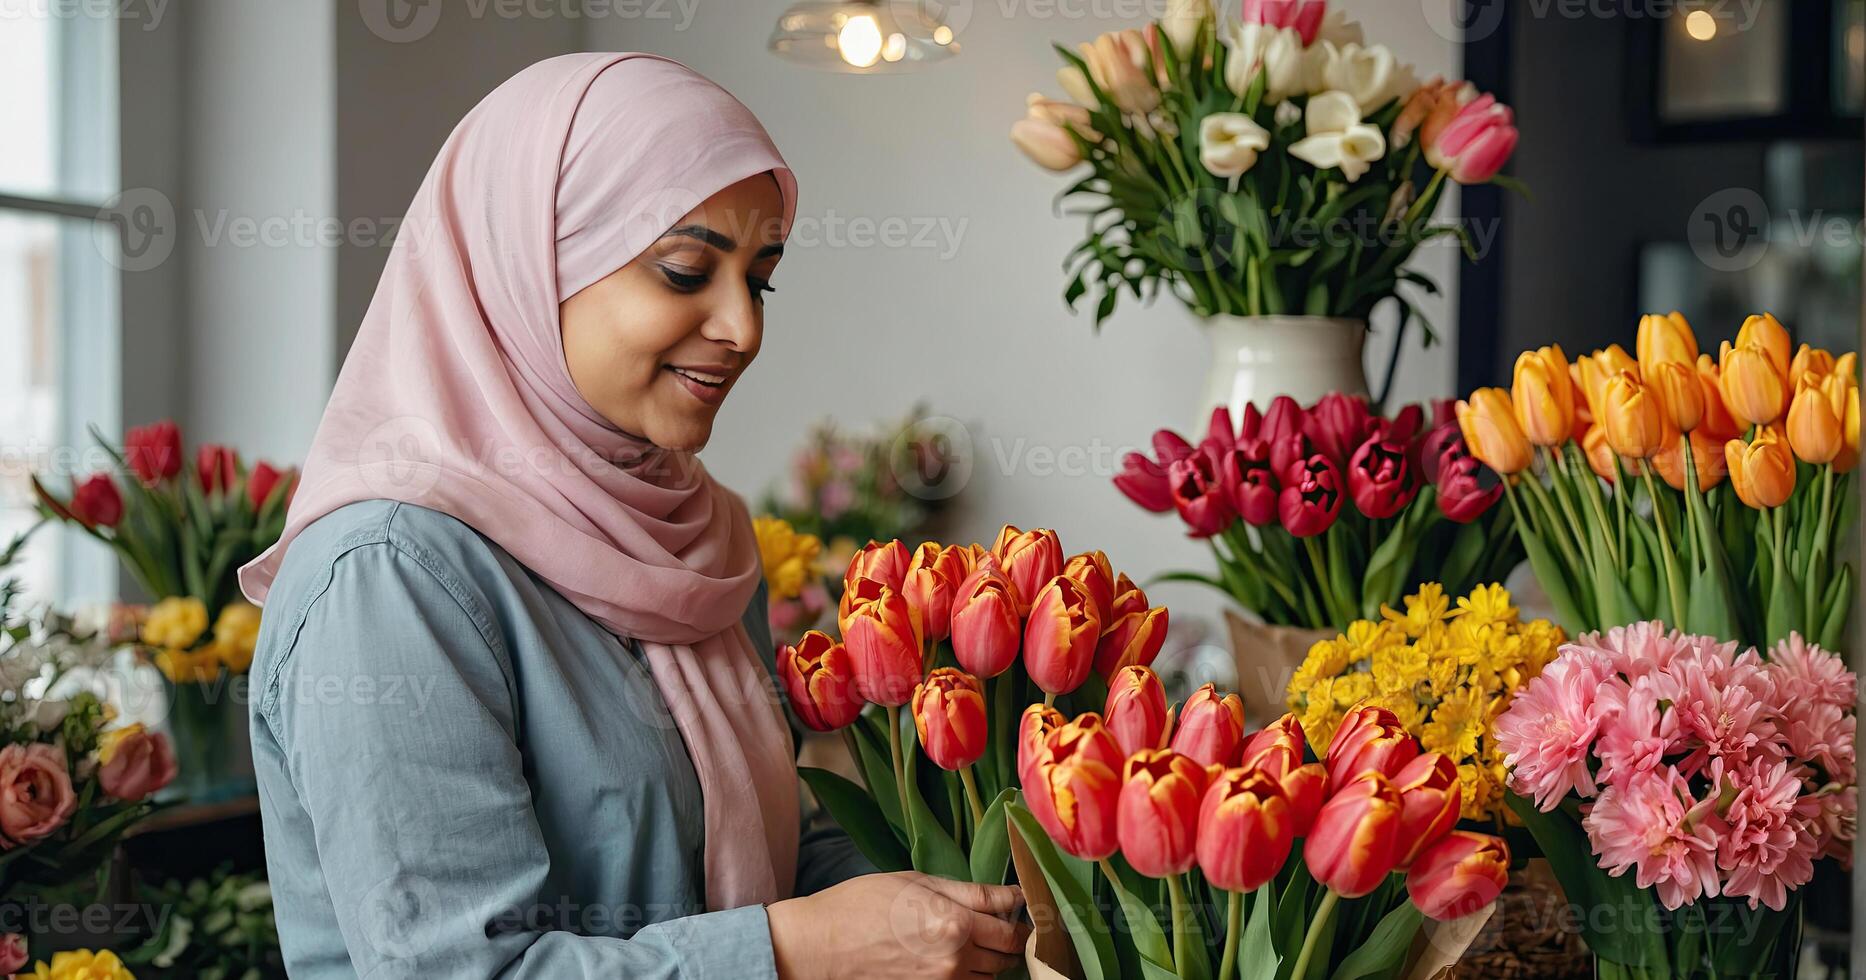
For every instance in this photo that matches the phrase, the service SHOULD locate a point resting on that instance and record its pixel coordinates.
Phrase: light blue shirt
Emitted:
(462, 775)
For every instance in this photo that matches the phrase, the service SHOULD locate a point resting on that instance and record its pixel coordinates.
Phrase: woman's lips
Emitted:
(708, 393)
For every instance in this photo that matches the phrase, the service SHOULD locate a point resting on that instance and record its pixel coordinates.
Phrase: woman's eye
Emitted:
(684, 281)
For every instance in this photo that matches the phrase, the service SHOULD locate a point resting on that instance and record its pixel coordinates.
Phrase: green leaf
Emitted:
(991, 849)
(1087, 929)
(1615, 914)
(1257, 955)
(856, 813)
(1385, 950)
(1553, 578)
(1143, 926)
(877, 768)
(934, 850)
(1839, 607)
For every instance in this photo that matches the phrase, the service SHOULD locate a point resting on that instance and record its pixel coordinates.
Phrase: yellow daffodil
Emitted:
(81, 964)
(790, 559)
(175, 622)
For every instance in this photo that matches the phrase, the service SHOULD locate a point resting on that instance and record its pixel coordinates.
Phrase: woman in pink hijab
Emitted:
(513, 711)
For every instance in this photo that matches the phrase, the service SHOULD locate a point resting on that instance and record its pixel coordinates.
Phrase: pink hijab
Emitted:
(456, 397)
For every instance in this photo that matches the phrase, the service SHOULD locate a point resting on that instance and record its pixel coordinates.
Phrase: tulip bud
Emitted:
(1038, 721)
(1370, 739)
(265, 478)
(1060, 638)
(1767, 332)
(1717, 420)
(885, 647)
(1636, 425)
(1355, 841)
(1137, 714)
(1283, 433)
(885, 563)
(1600, 456)
(949, 714)
(96, 502)
(1459, 875)
(1158, 814)
(1245, 830)
(1430, 797)
(1277, 749)
(1199, 495)
(1306, 786)
(1543, 396)
(1128, 598)
(1210, 727)
(1814, 432)
(819, 677)
(1491, 433)
(1134, 640)
(1076, 85)
(1665, 339)
(1753, 388)
(216, 468)
(1762, 471)
(933, 578)
(1311, 497)
(1679, 393)
(1466, 490)
(987, 631)
(1029, 559)
(1072, 786)
(153, 451)
(1091, 569)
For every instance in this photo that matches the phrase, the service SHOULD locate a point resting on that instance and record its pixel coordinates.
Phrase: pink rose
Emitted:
(35, 793)
(12, 953)
(141, 764)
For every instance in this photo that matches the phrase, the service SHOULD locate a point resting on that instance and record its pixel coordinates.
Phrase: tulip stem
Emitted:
(1049, 699)
(1326, 909)
(1178, 892)
(1234, 923)
(971, 797)
(900, 766)
(1672, 585)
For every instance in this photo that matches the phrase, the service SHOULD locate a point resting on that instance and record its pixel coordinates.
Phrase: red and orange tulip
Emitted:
(1461, 873)
(819, 677)
(1073, 789)
(1429, 800)
(1370, 739)
(885, 647)
(949, 714)
(1246, 830)
(1355, 841)
(1060, 638)
(1091, 569)
(987, 631)
(1277, 749)
(931, 583)
(885, 563)
(1038, 721)
(1030, 559)
(1137, 713)
(1134, 640)
(1211, 727)
(1306, 786)
(1158, 813)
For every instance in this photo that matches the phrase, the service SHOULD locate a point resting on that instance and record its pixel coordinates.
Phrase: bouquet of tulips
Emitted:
(1631, 517)
(1194, 828)
(1707, 781)
(1268, 163)
(964, 637)
(183, 527)
(1325, 515)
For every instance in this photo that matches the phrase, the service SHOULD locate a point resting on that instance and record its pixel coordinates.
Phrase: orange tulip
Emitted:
(1060, 638)
(1753, 387)
(1706, 454)
(1599, 454)
(1543, 396)
(1370, 739)
(1459, 875)
(1137, 714)
(1029, 559)
(949, 714)
(819, 677)
(1680, 394)
(1277, 749)
(1356, 838)
(933, 579)
(1429, 799)
(1033, 729)
(1717, 420)
(1768, 333)
(1246, 830)
(1809, 361)
(1636, 425)
(1762, 471)
(987, 631)
(1133, 640)
(1843, 396)
(1488, 422)
(1210, 727)
(1814, 431)
(885, 647)
(1306, 786)
(885, 563)
(1158, 815)
(1583, 409)
(1665, 339)
(1076, 800)
(1091, 569)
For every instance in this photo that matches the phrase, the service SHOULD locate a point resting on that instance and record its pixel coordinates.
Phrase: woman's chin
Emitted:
(682, 435)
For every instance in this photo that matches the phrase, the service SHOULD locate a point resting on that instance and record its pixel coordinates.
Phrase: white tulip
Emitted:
(1338, 30)
(1288, 114)
(1076, 85)
(1372, 75)
(1229, 143)
(1182, 22)
(1277, 52)
(1338, 138)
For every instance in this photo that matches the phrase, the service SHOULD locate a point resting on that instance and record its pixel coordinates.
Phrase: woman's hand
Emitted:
(905, 925)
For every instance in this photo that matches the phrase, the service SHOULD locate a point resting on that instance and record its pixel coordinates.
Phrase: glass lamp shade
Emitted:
(864, 37)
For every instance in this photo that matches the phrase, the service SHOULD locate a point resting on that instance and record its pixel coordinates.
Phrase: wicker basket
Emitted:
(1527, 937)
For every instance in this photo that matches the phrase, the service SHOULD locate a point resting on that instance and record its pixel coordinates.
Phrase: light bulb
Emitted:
(860, 41)
(896, 48)
(1701, 25)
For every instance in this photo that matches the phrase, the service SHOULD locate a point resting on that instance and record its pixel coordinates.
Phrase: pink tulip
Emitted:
(1305, 16)
(1477, 143)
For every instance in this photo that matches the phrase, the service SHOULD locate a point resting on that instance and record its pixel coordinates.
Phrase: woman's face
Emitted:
(656, 345)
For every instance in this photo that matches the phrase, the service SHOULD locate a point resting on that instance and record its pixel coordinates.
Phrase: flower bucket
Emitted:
(213, 747)
(1256, 358)
(1267, 657)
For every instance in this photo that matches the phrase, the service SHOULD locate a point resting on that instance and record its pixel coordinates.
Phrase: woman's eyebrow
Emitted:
(704, 234)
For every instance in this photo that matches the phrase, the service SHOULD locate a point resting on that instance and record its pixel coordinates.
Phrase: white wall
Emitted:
(978, 328)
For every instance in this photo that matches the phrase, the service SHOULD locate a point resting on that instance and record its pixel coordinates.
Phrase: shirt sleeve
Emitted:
(426, 840)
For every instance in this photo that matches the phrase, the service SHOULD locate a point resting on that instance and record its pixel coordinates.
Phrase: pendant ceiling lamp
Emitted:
(865, 36)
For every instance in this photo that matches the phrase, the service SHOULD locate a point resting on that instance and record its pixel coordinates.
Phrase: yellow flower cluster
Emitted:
(1446, 672)
(790, 559)
(81, 964)
(174, 629)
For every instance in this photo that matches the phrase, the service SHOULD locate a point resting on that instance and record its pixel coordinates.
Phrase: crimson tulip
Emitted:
(216, 467)
(1030, 559)
(1381, 478)
(885, 646)
(986, 628)
(1306, 786)
(1092, 570)
(1210, 727)
(1144, 482)
(1249, 485)
(1061, 635)
(819, 676)
(1311, 497)
(1459, 875)
(1137, 714)
(1370, 739)
(1157, 816)
(1283, 431)
(1356, 836)
(1038, 721)
(949, 714)
(1133, 640)
(1338, 425)
(1430, 797)
(1467, 489)
(154, 451)
(1432, 449)
(1245, 830)
(933, 577)
(1199, 495)
(263, 480)
(96, 502)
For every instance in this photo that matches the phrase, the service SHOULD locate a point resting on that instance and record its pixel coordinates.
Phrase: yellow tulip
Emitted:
(1680, 395)
(80, 964)
(1809, 361)
(1768, 333)
(1665, 338)
(1717, 420)
(1543, 396)
(1847, 364)
(1753, 388)
(1491, 433)
(1636, 424)
(1813, 429)
(1763, 471)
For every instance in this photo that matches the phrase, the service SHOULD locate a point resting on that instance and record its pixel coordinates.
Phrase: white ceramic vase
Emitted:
(1257, 358)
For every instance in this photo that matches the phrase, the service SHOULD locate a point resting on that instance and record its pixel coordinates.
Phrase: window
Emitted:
(58, 281)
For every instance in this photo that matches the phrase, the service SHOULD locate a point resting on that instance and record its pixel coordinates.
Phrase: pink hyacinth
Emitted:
(1821, 734)
(1767, 846)
(1477, 143)
(1546, 734)
(1305, 16)
(1650, 823)
(1803, 672)
(1636, 733)
(1721, 717)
